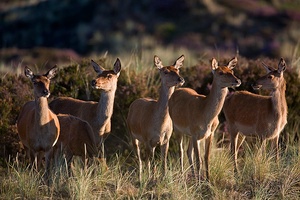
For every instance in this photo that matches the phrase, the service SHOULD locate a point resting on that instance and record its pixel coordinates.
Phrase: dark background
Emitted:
(253, 28)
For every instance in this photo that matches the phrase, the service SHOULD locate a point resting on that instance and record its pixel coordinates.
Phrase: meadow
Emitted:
(260, 176)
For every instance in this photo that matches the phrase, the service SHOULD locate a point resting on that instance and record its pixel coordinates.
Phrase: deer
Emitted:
(250, 114)
(76, 139)
(38, 127)
(97, 114)
(148, 120)
(196, 115)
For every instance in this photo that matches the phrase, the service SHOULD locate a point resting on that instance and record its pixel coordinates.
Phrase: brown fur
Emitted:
(76, 138)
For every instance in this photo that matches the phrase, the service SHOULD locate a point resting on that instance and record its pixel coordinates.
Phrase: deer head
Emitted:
(41, 83)
(273, 78)
(106, 79)
(223, 75)
(170, 74)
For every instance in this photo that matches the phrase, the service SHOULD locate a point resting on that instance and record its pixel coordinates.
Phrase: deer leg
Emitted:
(274, 145)
(101, 147)
(180, 141)
(208, 142)
(136, 147)
(196, 144)
(164, 152)
(240, 142)
(149, 157)
(190, 154)
(233, 145)
(47, 168)
(263, 146)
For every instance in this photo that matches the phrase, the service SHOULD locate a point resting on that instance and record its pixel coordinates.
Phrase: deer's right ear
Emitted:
(28, 72)
(214, 64)
(117, 67)
(158, 62)
(96, 67)
(267, 68)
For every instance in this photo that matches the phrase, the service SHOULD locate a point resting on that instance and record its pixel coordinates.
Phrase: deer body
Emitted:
(76, 138)
(38, 127)
(257, 115)
(97, 114)
(197, 115)
(149, 121)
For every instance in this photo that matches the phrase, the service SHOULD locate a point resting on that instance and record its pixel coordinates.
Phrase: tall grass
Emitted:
(260, 177)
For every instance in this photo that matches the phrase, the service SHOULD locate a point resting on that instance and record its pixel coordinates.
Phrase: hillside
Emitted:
(254, 28)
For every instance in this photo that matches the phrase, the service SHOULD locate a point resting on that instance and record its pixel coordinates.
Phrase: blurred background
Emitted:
(39, 31)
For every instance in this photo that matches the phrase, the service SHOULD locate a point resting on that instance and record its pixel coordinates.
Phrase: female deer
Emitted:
(148, 120)
(197, 115)
(97, 114)
(256, 115)
(38, 126)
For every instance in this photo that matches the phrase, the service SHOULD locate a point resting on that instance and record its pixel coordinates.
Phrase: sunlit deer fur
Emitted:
(76, 139)
(97, 114)
(250, 114)
(197, 115)
(148, 120)
(37, 125)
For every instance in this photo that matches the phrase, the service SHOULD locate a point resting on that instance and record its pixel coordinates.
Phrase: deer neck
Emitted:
(215, 100)
(162, 103)
(105, 106)
(279, 101)
(41, 111)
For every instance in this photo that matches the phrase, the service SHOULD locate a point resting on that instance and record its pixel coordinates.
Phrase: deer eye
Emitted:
(109, 76)
(270, 77)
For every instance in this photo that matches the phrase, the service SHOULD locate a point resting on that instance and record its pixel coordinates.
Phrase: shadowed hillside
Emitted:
(255, 28)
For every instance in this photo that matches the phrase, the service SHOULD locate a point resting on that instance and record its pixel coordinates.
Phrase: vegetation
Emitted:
(261, 177)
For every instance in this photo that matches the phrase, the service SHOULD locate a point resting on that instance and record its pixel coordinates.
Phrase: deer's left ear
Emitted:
(281, 66)
(28, 73)
(179, 62)
(232, 63)
(52, 72)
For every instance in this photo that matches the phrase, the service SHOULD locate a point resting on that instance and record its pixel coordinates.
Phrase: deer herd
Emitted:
(73, 127)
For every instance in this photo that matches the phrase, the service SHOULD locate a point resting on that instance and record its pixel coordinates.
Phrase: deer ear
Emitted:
(281, 66)
(28, 73)
(267, 68)
(52, 72)
(179, 62)
(97, 67)
(117, 67)
(214, 64)
(157, 62)
(232, 63)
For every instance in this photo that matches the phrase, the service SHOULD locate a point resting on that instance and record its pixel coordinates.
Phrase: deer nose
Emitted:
(46, 92)
(181, 80)
(93, 82)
